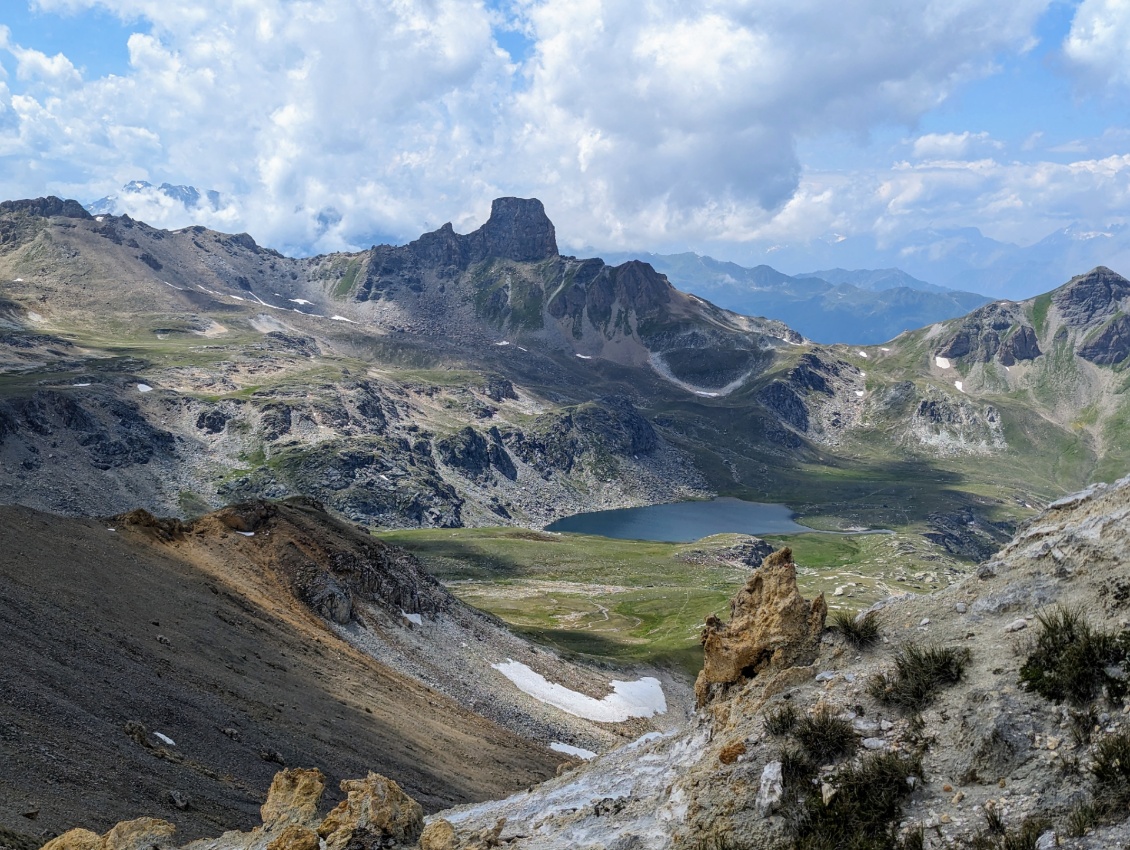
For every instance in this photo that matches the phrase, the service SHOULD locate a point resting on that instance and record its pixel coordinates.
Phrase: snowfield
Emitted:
(642, 698)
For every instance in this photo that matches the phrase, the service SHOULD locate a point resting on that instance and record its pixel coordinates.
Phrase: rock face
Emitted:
(771, 626)
(375, 813)
(997, 329)
(1111, 345)
(1091, 298)
(46, 207)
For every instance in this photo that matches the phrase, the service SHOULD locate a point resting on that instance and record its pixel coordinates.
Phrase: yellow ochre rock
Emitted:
(373, 807)
(771, 627)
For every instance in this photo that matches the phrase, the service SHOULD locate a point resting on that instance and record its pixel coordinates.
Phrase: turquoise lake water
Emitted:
(682, 522)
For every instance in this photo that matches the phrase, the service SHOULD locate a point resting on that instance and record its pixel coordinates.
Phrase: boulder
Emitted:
(75, 839)
(295, 837)
(293, 798)
(375, 813)
(438, 835)
(771, 627)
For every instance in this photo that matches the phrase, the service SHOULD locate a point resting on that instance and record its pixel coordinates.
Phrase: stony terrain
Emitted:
(974, 753)
(171, 668)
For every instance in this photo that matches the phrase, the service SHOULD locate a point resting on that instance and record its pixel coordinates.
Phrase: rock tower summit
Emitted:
(518, 229)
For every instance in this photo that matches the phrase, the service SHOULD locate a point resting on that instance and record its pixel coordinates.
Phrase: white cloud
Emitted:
(1009, 201)
(333, 120)
(1097, 42)
(950, 145)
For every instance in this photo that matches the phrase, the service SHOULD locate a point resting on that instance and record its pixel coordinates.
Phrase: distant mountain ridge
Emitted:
(874, 280)
(959, 258)
(188, 196)
(862, 307)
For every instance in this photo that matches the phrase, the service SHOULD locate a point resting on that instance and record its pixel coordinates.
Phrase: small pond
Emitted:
(683, 522)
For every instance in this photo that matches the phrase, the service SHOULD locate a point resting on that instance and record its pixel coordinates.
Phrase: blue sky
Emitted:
(717, 127)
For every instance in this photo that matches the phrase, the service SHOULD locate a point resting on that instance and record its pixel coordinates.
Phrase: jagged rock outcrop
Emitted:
(46, 207)
(790, 397)
(375, 814)
(980, 334)
(771, 627)
(1110, 345)
(1091, 298)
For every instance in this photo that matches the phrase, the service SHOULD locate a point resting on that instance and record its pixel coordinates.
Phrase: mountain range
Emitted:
(961, 259)
(863, 306)
(485, 378)
(197, 435)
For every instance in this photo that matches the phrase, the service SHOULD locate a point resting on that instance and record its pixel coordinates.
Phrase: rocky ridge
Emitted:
(484, 378)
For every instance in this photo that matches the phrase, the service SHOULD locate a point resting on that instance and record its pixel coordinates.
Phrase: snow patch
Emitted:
(959, 386)
(144, 388)
(301, 301)
(585, 356)
(942, 362)
(164, 739)
(884, 349)
(87, 384)
(642, 698)
(504, 342)
(342, 319)
(569, 750)
(416, 619)
(863, 354)
(177, 288)
(860, 393)
(705, 394)
(246, 533)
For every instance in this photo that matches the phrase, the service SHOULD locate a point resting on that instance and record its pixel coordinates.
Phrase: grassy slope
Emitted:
(637, 601)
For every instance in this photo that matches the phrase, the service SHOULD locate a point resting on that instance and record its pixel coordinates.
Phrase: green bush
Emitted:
(781, 720)
(864, 811)
(824, 736)
(860, 632)
(1071, 661)
(918, 675)
(1111, 771)
(995, 836)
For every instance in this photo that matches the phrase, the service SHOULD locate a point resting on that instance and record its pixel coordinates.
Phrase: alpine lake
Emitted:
(633, 586)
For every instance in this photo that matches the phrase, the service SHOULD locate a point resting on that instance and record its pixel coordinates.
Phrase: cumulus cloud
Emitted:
(1097, 42)
(951, 145)
(333, 122)
(1008, 200)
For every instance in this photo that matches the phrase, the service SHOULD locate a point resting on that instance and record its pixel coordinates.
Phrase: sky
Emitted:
(649, 125)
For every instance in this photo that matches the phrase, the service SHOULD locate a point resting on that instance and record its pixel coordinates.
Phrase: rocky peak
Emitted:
(518, 229)
(997, 330)
(1092, 297)
(46, 207)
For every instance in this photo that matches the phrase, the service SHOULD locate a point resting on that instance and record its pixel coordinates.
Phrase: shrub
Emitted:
(860, 632)
(1111, 771)
(781, 720)
(1083, 818)
(995, 836)
(864, 812)
(824, 736)
(797, 770)
(919, 673)
(1072, 660)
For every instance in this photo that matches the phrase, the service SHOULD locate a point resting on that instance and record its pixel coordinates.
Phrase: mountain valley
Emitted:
(295, 421)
